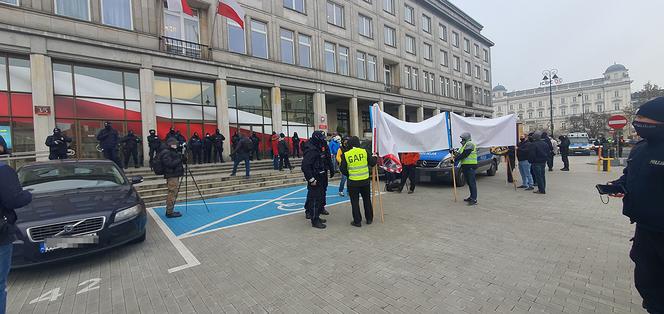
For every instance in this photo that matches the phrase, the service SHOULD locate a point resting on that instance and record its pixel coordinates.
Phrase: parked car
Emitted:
(78, 208)
(437, 166)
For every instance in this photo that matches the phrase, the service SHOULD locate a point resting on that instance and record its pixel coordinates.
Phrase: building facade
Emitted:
(609, 94)
(297, 66)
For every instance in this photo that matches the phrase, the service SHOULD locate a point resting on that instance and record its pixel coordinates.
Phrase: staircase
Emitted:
(214, 180)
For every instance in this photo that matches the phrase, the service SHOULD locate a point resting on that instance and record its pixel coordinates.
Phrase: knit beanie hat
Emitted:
(653, 109)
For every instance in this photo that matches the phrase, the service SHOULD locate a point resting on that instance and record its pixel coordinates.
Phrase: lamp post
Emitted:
(549, 76)
(583, 112)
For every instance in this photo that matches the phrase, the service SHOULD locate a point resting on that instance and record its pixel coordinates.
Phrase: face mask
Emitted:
(649, 131)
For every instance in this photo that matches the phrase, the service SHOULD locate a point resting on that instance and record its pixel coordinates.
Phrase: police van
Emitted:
(437, 166)
(579, 144)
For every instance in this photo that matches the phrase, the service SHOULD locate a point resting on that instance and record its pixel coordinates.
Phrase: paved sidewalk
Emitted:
(564, 252)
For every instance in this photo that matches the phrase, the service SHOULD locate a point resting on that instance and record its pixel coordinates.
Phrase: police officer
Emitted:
(256, 143)
(316, 164)
(153, 142)
(130, 148)
(57, 145)
(196, 146)
(468, 158)
(219, 146)
(643, 203)
(208, 142)
(356, 164)
(108, 140)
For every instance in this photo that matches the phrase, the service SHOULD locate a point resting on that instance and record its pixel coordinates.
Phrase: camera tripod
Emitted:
(188, 173)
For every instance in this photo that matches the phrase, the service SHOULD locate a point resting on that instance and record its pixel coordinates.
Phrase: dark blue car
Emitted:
(78, 208)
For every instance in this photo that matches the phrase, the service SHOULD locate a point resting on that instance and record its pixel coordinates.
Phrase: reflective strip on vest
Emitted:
(358, 164)
(472, 158)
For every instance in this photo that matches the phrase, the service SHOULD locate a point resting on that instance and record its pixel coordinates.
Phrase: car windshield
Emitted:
(69, 176)
(579, 140)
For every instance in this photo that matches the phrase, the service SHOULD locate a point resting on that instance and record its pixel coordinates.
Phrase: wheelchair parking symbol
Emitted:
(289, 207)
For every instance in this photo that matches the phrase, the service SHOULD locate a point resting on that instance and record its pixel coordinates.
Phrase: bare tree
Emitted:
(595, 123)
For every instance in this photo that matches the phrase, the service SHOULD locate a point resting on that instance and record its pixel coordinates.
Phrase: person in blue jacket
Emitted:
(335, 144)
(12, 197)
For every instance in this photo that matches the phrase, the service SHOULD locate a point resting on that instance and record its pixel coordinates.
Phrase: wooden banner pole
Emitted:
(454, 179)
(509, 168)
(374, 189)
(380, 196)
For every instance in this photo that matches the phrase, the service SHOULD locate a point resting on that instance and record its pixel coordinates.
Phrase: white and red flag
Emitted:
(180, 6)
(232, 10)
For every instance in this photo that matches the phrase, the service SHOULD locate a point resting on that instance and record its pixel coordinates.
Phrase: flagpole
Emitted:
(214, 23)
(449, 140)
(375, 180)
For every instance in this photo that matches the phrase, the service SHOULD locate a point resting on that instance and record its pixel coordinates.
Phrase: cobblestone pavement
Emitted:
(514, 252)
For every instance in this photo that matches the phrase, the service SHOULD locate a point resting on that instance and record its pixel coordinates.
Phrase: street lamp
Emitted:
(549, 76)
(583, 112)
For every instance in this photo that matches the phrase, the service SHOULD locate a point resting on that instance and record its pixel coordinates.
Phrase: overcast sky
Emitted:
(580, 38)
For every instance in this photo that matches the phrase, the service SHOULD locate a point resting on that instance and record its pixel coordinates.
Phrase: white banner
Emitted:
(484, 132)
(393, 136)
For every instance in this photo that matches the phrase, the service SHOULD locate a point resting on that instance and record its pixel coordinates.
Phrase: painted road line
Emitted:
(188, 257)
(239, 213)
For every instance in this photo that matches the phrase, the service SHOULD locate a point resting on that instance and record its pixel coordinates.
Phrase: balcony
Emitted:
(392, 89)
(184, 48)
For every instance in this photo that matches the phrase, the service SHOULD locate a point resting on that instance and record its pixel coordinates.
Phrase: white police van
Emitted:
(437, 166)
(579, 144)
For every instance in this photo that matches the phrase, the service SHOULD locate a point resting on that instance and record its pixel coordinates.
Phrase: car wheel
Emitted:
(492, 171)
(460, 178)
(139, 239)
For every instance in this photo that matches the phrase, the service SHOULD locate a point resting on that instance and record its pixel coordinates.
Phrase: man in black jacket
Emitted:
(284, 151)
(108, 140)
(153, 142)
(316, 164)
(130, 148)
(564, 151)
(196, 147)
(218, 146)
(256, 143)
(523, 153)
(12, 197)
(539, 157)
(208, 142)
(57, 145)
(552, 152)
(296, 144)
(241, 151)
(643, 203)
(172, 162)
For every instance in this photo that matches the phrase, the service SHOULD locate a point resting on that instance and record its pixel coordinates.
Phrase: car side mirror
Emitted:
(136, 179)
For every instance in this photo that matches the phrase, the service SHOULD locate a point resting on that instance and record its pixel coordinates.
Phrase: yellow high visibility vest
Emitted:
(358, 164)
(472, 158)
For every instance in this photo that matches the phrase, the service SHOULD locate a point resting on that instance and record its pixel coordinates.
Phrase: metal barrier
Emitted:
(603, 163)
(15, 160)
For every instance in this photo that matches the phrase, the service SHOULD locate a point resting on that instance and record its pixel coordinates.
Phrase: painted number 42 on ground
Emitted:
(54, 294)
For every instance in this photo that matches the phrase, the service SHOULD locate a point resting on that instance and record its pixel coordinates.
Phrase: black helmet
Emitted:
(56, 130)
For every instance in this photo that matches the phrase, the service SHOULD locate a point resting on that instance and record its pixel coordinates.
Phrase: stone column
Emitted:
(436, 112)
(221, 100)
(148, 109)
(420, 114)
(354, 117)
(320, 110)
(402, 112)
(41, 77)
(276, 109)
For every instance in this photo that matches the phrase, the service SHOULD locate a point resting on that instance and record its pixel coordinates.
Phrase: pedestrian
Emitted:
(208, 142)
(130, 148)
(316, 164)
(181, 140)
(408, 170)
(539, 157)
(468, 158)
(511, 163)
(218, 140)
(153, 143)
(172, 161)
(12, 197)
(255, 145)
(546, 139)
(335, 144)
(58, 144)
(523, 154)
(241, 152)
(274, 144)
(356, 164)
(296, 145)
(108, 141)
(344, 148)
(196, 146)
(284, 152)
(563, 148)
(643, 203)
(234, 139)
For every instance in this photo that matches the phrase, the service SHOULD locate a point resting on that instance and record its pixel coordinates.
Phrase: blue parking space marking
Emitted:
(230, 211)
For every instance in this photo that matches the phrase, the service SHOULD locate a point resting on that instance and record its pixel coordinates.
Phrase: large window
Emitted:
(304, 50)
(426, 24)
(87, 96)
(442, 30)
(335, 14)
(344, 65)
(365, 26)
(181, 26)
(443, 58)
(14, 2)
(250, 110)
(487, 76)
(78, 9)
(426, 52)
(455, 39)
(468, 68)
(466, 45)
(411, 45)
(409, 14)
(388, 6)
(297, 113)
(259, 46)
(287, 46)
(390, 36)
(116, 13)
(457, 64)
(371, 68)
(16, 126)
(297, 5)
(236, 40)
(330, 57)
(361, 65)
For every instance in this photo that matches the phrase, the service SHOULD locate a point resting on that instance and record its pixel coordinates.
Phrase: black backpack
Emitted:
(247, 144)
(156, 164)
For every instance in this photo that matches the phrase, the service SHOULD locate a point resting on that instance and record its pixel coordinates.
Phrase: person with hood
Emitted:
(196, 146)
(57, 145)
(523, 152)
(218, 140)
(108, 141)
(172, 161)
(256, 144)
(208, 142)
(153, 143)
(408, 170)
(284, 152)
(467, 156)
(356, 164)
(563, 147)
(643, 203)
(130, 148)
(335, 144)
(241, 152)
(316, 165)
(12, 197)
(539, 157)
(345, 146)
(546, 139)
(296, 144)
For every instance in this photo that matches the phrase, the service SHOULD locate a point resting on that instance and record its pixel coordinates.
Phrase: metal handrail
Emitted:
(184, 48)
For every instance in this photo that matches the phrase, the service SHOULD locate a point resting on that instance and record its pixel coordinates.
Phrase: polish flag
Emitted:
(180, 6)
(232, 10)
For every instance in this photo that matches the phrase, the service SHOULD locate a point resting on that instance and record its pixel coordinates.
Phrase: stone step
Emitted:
(226, 165)
(161, 188)
(206, 169)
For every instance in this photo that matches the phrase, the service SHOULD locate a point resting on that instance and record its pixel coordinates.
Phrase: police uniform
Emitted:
(643, 203)
(153, 142)
(355, 164)
(57, 145)
(468, 158)
(108, 140)
(316, 165)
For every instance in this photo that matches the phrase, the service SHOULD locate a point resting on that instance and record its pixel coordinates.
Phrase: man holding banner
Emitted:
(468, 158)
(356, 164)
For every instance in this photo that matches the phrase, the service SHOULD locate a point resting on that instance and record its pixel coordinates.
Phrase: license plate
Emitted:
(52, 244)
(425, 178)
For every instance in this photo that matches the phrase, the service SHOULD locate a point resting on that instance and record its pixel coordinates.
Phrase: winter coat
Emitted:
(283, 147)
(172, 162)
(12, 197)
(108, 138)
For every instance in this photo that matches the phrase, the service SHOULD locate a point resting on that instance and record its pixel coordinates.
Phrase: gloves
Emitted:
(56, 142)
(331, 174)
(313, 182)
